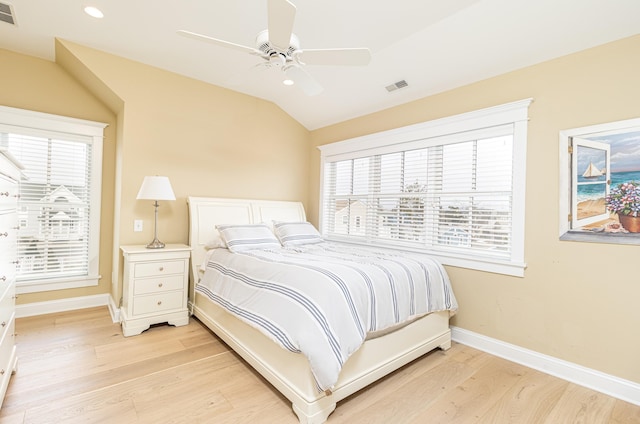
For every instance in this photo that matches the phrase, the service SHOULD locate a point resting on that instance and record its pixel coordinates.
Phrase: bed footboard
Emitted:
(289, 372)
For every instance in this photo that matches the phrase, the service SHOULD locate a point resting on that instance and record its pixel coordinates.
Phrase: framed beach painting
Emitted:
(600, 183)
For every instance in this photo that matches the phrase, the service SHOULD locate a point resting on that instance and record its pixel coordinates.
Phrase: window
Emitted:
(600, 183)
(453, 188)
(59, 204)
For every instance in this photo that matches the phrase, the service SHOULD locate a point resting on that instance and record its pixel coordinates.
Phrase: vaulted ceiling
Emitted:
(433, 45)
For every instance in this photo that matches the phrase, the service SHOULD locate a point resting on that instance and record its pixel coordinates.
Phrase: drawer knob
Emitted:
(159, 284)
(4, 278)
(4, 324)
(2, 372)
(5, 234)
(4, 193)
(159, 302)
(161, 268)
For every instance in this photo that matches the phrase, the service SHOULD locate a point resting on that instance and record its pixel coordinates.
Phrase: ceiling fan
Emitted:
(280, 48)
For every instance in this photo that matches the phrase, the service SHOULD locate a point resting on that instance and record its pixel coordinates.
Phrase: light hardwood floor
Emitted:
(76, 367)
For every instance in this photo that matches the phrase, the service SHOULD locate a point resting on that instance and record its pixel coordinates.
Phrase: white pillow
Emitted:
(296, 233)
(215, 243)
(243, 237)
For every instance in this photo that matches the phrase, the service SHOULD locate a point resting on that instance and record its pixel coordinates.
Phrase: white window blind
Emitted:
(59, 203)
(450, 192)
(54, 206)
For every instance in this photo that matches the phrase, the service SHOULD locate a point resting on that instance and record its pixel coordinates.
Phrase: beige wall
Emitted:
(40, 85)
(208, 140)
(577, 301)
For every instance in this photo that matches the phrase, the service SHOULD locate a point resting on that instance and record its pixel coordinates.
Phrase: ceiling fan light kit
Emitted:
(280, 48)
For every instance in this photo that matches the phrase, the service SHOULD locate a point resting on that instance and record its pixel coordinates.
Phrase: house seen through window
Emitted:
(59, 203)
(452, 188)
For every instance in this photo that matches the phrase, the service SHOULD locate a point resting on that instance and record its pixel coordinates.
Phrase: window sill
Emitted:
(592, 237)
(486, 265)
(474, 263)
(35, 286)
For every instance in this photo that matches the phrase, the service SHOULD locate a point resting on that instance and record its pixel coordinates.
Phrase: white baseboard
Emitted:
(62, 305)
(114, 310)
(619, 388)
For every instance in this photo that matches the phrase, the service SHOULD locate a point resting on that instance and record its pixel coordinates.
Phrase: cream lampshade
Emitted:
(156, 188)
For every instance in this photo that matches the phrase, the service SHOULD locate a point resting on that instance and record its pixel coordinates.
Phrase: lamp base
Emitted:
(155, 244)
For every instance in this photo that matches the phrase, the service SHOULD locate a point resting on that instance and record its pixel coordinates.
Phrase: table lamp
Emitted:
(155, 188)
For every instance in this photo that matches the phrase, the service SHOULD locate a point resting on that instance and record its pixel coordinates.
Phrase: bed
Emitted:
(290, 373)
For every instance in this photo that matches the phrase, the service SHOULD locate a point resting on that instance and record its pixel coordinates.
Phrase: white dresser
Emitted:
(9, 180)
(155, 287)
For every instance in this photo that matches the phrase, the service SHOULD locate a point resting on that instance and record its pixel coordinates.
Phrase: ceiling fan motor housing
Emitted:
(263, 44)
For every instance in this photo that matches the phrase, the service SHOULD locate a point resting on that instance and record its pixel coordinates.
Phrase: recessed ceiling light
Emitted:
(288, 82)
(94, 11)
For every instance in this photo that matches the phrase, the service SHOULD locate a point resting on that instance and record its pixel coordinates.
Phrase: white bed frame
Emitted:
(288, 372)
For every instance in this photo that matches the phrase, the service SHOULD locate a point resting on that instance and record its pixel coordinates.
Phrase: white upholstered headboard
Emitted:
(207, 212)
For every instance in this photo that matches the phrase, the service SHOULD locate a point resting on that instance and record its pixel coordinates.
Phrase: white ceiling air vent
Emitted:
(6, 13)
(397, 85)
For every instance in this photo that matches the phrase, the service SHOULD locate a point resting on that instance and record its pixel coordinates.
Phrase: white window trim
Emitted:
(36, 122)
(515, 113)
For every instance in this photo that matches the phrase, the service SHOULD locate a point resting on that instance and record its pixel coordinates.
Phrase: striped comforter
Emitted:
(323, 299)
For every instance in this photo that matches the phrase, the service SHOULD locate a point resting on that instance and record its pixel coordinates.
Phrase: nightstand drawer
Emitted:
(157, 303)
(158, 284)
(152, 269)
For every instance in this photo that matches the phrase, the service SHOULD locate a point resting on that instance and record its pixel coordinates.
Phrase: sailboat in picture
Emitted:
(592, 171)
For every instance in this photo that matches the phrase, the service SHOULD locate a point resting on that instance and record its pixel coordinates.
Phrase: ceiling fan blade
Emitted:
(306, 82)
(282, 14)
(353, 57)
(222, 43)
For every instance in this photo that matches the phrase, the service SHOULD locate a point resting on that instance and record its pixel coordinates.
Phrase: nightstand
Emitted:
(156, 283)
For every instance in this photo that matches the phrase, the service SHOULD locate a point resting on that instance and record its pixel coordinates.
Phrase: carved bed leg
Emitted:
(315, 415)
(446, 345)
